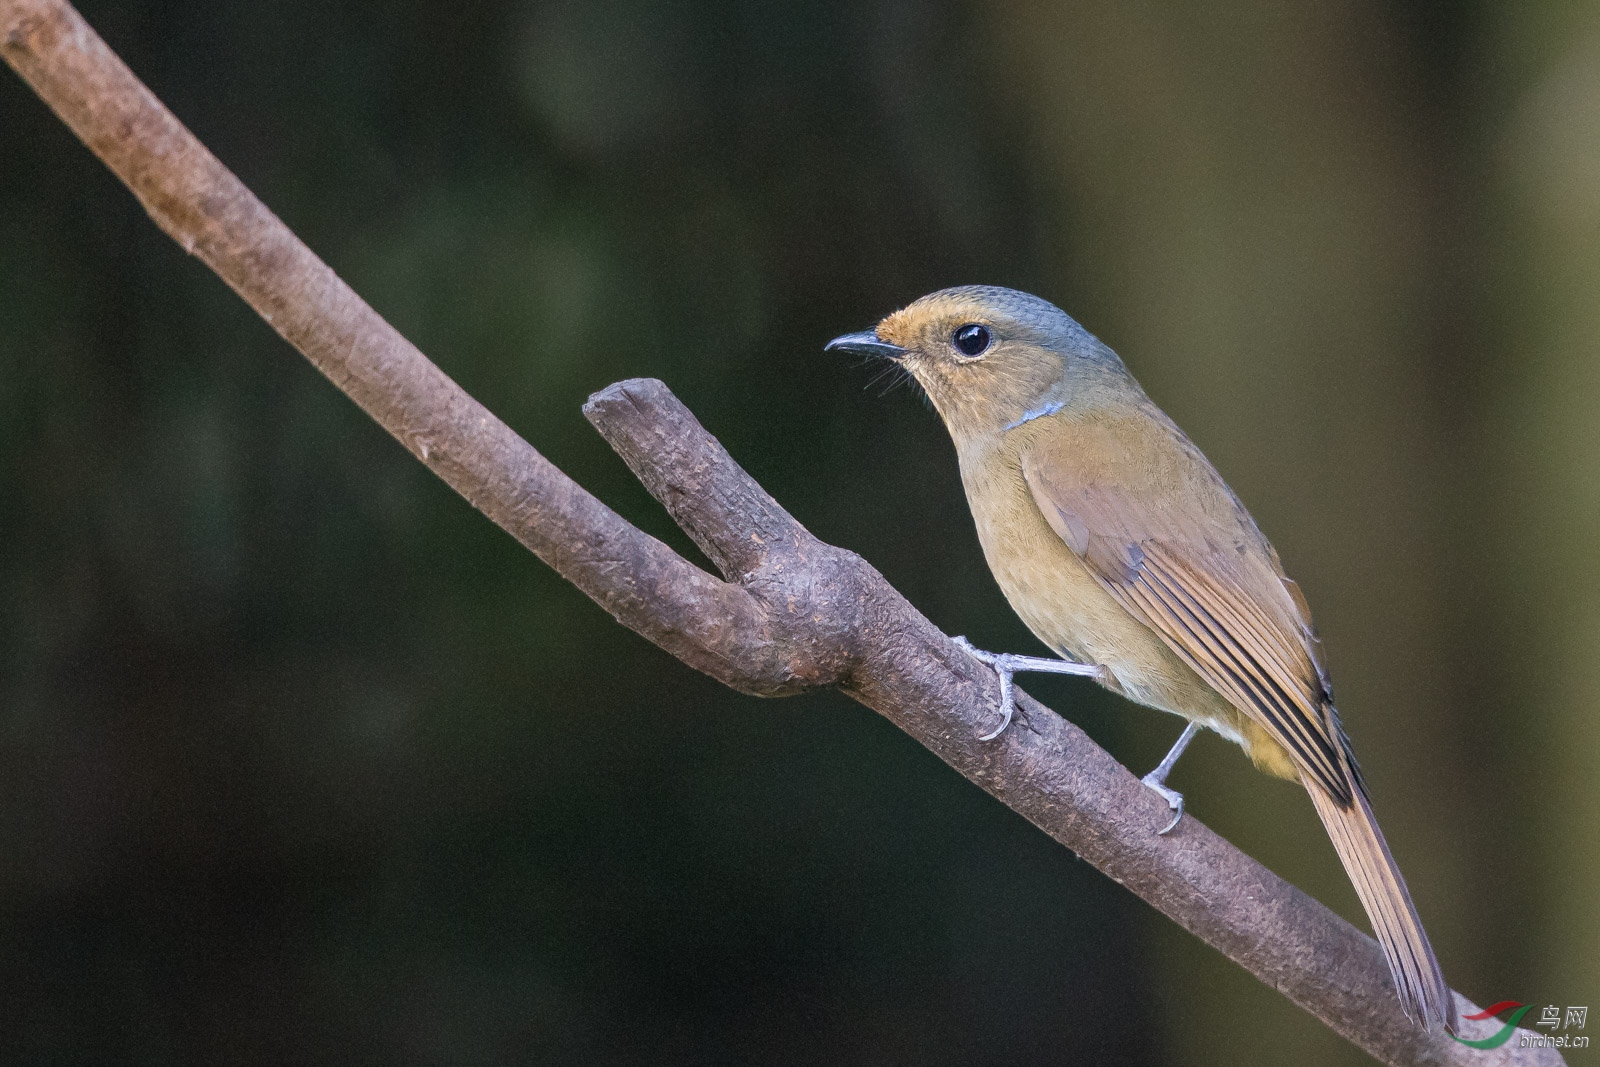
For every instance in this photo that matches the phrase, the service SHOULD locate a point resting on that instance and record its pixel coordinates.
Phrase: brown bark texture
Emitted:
(790, 613)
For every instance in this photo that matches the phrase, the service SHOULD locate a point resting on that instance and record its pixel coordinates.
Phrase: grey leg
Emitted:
(1005, 665)
(1157, 779)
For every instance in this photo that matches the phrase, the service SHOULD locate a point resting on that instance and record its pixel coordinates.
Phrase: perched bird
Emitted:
(1123, 549)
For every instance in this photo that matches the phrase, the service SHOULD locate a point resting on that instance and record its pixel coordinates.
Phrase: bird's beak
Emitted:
(866, 342)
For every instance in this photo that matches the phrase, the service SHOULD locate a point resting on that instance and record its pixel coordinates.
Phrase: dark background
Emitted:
(304, 761)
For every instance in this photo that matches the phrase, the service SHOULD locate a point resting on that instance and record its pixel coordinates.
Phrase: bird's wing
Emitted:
(1195, 569)
(1206, 581)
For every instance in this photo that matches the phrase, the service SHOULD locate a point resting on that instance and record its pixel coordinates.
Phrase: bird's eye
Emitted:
(972, 339)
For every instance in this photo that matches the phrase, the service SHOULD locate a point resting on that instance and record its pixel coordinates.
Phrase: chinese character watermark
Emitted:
(1576, 1017)
(1550, 1018)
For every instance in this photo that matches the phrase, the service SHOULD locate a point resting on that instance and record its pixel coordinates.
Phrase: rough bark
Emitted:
(793, 613)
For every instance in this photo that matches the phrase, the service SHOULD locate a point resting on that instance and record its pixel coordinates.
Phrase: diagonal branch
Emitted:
(793, 613)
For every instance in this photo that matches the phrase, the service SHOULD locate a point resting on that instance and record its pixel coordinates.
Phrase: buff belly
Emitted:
(1067, 608)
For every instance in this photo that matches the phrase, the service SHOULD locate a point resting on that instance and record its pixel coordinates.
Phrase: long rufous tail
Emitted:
(1421, 987)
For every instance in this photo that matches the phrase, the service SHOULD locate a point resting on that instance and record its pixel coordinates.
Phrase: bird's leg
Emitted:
(1157, 779)
(1005, 665)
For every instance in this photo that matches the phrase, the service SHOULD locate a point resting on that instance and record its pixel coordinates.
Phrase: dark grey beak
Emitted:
(866, 343)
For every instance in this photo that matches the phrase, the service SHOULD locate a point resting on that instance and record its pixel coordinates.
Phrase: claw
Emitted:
(1008, 703)
(1174, 801)
(1157, 779)
(1002, 670)
(1005, 665)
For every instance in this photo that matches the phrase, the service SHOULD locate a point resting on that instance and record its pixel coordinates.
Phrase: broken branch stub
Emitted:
(796, 613)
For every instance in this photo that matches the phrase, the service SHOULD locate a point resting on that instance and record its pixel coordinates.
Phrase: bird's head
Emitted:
(989, 358)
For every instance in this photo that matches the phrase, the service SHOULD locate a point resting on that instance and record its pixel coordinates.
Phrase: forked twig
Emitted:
(792, 614)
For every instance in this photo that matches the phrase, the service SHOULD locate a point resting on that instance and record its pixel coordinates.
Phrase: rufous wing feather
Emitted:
(1209, 585)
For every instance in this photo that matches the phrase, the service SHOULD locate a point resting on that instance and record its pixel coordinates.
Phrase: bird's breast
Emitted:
(1064, 605)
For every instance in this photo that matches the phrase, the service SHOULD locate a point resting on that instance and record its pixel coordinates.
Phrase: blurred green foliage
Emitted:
(307, 762)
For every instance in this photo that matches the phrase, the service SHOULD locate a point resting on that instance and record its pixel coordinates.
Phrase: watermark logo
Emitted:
(1551, 1017)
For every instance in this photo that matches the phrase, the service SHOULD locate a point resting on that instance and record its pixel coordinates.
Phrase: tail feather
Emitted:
(1424, 996)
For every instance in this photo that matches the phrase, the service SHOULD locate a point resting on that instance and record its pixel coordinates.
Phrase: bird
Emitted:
(1124, 551)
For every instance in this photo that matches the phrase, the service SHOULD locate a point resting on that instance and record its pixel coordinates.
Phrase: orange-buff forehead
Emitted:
(910, 324)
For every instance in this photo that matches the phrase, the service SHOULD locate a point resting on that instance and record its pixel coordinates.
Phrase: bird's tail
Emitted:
(1424, 996)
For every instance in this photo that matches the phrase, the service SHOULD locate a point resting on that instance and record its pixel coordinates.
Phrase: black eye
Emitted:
(972, 339)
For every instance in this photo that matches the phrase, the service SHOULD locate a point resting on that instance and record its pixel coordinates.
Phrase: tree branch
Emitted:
(793, 614)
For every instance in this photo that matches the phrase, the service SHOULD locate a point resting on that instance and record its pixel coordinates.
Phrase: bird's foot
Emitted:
(1005, 664)
(1157, 779)
(999, 662)
(1173, 797)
